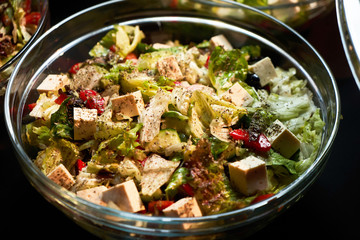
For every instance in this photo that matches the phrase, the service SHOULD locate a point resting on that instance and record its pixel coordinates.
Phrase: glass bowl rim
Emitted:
(42, 22)
(75, 200)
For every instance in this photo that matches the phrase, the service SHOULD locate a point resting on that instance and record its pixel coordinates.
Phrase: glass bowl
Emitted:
(69, 42)
(294, 13)
(348, 19)
(7, 68)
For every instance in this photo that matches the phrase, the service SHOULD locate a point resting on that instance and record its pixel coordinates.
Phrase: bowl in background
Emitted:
(348, 20)
(6, 69)
(295, 13)
(70, 41)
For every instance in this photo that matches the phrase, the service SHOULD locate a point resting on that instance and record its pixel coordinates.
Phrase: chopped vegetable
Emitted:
(186, 130)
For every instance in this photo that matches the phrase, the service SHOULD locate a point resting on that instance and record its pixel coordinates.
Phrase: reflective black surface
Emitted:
(329, 208)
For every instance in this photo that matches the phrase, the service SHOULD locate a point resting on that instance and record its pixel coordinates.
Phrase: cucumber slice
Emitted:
(175, 114)
(165, 138)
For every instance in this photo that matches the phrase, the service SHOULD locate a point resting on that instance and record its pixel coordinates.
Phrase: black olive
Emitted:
(253, 80)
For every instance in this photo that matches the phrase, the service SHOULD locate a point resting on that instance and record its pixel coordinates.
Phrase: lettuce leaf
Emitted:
(125, 38)
(60, 151)
(226, 67)
(124, 144)
(179, 177)
(288, 107)
(276, 159)
(60, 124)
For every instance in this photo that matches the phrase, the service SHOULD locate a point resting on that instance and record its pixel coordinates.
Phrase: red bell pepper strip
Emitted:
(131, 56)
(27, 6)
(188, 189)
(207, 62)
(61, 98)
(75, 68)
(160, 205)
(31, 106)
(80, 165)
(261, 144)
(261, 198)
(86, 94)
(33, 18)
(93, 100)
(113, 48)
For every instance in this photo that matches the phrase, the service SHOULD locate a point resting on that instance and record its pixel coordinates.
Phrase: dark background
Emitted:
(329, 208)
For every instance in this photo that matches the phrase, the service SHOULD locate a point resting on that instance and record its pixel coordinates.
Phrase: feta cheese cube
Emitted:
(264, 69)
(84, 123)
(185, 207)
(52, 83)
(129, 105)
(237, 95)
(125, 196)
(248, 175)
(282, 139)
(220, 40)
(169, 68)
(61, 176)
(93, 195)
(160, 46)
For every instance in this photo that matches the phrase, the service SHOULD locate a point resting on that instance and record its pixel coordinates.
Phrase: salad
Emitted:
(18, 23)
(171, 129)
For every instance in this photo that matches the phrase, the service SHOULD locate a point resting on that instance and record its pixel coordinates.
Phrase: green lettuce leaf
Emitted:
(288, 107)
(276, 159)
(124, 144)
(60, 151)
(179, 177)
(226, 67)
(125, 38)
(60, 124)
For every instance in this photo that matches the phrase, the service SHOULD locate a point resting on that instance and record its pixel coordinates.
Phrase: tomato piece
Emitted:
(33, 18)
(61, 98)
(160, 205)
(75, 68)
(261, 198)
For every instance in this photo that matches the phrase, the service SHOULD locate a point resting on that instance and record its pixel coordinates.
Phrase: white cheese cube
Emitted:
(160, 46)
(248, 175)
(61, 176)
(185, 207)
(282, 139)
(264, 69)
(169, 68)
(93, 195)
(125, 196)
(220, 40)
(84, 123)
(129, 105)
(52, 83)
(237, 95)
